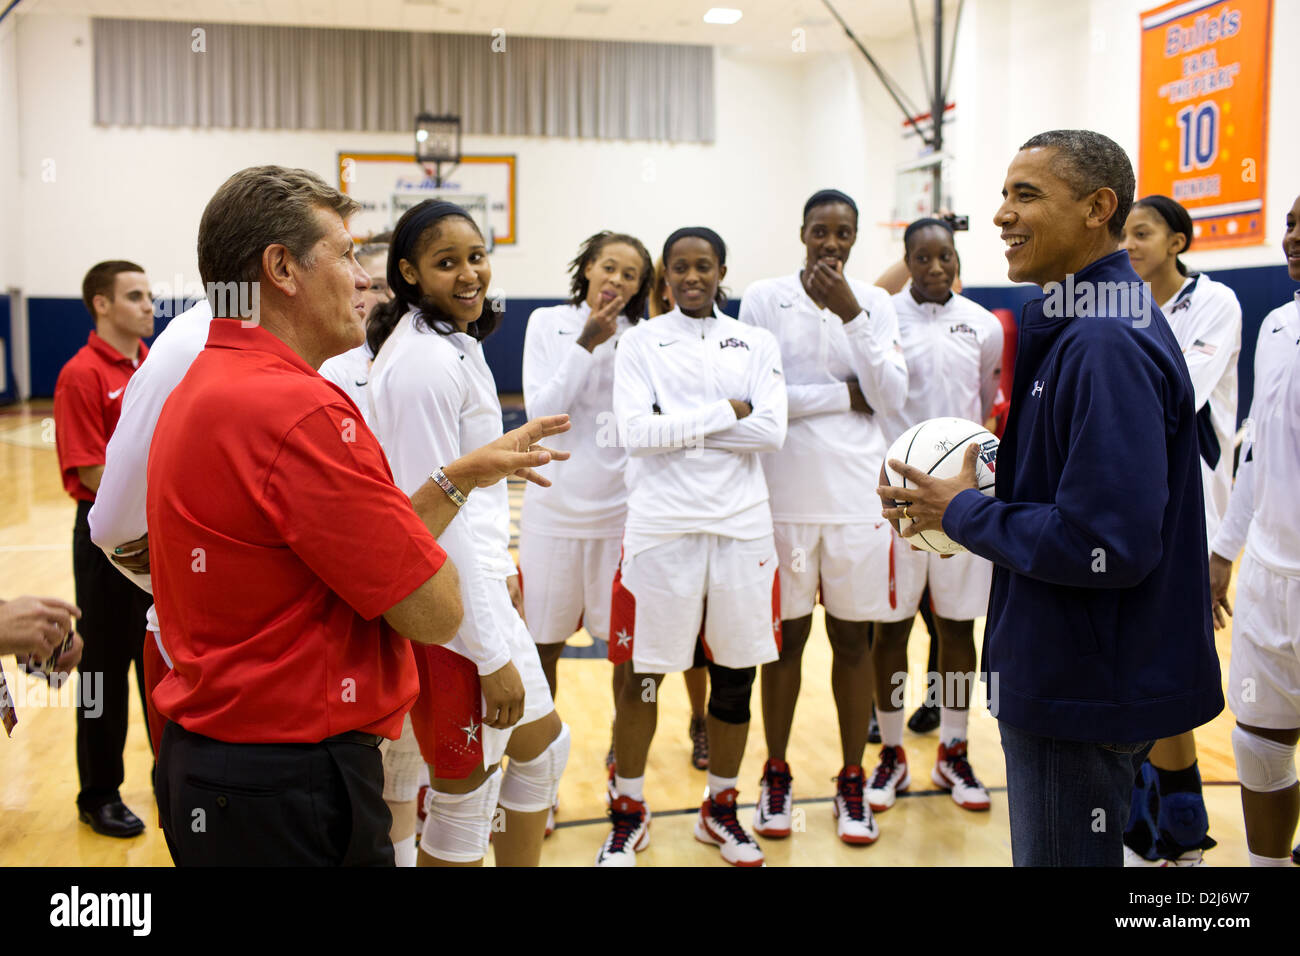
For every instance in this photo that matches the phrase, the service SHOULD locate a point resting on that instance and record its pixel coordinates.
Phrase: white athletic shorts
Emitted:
(566, 584)
(959, 586)
(404, 769)
(670, 585)
(523, 654)
(1264, 669)
(848, 562)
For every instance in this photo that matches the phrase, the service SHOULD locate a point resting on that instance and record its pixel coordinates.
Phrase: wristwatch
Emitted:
(446, 485)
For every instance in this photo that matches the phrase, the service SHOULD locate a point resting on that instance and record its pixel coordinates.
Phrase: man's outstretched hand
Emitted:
(517, 452)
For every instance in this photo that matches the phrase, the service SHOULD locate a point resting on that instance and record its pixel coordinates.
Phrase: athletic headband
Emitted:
(698, 232)
(409, 229)
(925, 223)
(825, 196)
(1175, 216)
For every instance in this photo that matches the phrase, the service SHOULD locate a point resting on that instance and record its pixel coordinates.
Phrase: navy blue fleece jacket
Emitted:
(1099, 625)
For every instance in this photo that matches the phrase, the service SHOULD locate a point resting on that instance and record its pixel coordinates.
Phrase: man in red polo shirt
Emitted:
(87, 403)
(288, 569)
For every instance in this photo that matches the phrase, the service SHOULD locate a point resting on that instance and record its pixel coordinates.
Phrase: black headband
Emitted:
(1177, 218)
(825, 196)
(409, 229)
(925, 223)
(698, 232)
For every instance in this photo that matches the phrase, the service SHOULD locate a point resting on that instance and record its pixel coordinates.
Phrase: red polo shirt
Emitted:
(87, 405)
(276, 540)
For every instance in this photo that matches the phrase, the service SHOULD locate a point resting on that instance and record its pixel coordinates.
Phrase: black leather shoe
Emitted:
(924, 720)
(113, 820)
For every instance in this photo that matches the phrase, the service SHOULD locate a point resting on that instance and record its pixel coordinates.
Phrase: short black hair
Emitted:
(920, 224)
(825, 197)
(102, 280)
(1089, 161)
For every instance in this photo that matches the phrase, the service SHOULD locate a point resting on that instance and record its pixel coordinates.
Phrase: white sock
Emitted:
(891, 726)
(719, 784)
(404, 851)
(952, 725)
(633, 787)
(1257, 860)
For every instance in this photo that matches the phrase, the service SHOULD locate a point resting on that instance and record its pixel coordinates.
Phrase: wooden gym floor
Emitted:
(38, 774)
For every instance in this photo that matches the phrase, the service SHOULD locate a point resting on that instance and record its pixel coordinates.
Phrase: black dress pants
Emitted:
(237, 804)
(112, 626)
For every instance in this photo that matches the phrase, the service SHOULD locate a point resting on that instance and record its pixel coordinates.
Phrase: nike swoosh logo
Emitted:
(664, 345)
(113, 395)
(761, 563)
(361, 384)
(1278, 329)
(562, 332)
(786, 305)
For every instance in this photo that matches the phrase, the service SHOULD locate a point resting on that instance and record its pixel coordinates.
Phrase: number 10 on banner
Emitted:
(1198, 136)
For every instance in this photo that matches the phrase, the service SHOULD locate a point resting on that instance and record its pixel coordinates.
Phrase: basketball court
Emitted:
(549, 121)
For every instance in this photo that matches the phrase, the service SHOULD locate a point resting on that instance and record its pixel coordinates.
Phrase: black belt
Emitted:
(355, 737)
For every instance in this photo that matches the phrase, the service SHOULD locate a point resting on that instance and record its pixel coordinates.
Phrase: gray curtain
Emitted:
(149, 73)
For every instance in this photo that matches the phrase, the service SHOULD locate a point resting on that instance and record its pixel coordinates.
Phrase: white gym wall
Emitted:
(785, 125)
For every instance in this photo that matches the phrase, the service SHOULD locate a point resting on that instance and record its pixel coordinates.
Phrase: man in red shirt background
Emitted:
(87, 403)
(290, 574)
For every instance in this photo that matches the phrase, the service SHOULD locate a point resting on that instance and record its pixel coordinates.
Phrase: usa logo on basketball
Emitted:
(733, 343)
(989, 454)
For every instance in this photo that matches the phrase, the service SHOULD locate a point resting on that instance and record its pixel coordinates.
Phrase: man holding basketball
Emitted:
(1099, 629)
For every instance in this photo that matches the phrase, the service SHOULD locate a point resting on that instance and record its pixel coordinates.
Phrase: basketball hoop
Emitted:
(437, 141)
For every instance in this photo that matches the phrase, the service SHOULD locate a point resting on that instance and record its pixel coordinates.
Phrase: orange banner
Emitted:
(1204, 117)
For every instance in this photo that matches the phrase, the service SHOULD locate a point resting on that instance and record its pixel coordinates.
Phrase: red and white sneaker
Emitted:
(550, 819)
(611, 792)
(853, 820)
(630, 833)
(775, 801)
(952, 772)
(718, 825)
(889, 779)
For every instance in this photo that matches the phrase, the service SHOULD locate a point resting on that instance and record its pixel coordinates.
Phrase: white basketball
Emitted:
(938, 448)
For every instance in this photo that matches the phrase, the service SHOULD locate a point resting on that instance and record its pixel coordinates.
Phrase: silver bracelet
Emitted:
(445, 484)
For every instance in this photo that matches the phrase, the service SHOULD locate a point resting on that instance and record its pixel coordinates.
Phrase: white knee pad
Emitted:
(404, 768)
(1263, 765)
(459, 824)
(532, 785)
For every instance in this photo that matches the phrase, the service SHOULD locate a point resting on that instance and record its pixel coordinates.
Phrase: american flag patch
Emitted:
(1204, 348)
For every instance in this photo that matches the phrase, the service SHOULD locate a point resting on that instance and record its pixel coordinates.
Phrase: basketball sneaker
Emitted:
(718, 825)
(550, 818)
(699, 735)
(853, 820)
(873, 728)
(952, 772)
(630, 833)
(1133, 858)
(611, 792)
(775, 801)
(890, 777)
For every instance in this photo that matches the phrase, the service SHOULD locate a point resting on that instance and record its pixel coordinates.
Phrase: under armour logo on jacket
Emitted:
(733, 343)
(1038, 388)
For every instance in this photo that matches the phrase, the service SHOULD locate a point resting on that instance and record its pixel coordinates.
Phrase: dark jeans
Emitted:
(1068, 800)
(113, 627)
(225, 804)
